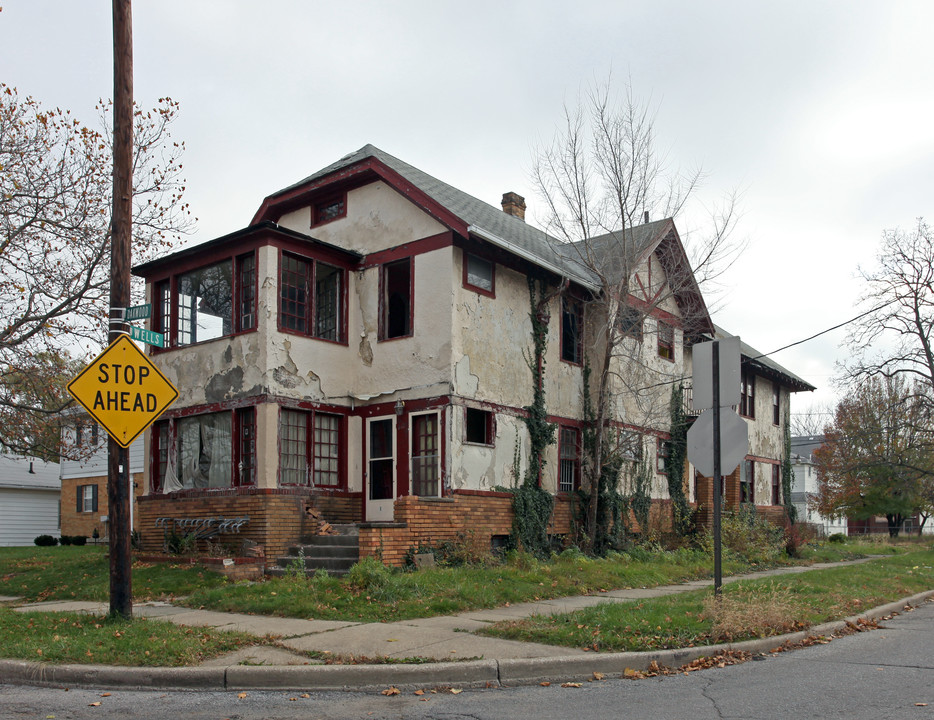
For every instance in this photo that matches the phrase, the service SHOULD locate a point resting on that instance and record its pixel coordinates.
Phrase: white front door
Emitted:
(380, 468)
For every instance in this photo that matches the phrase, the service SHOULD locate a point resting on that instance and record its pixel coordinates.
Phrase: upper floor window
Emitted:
(630, 322)
(776, 403)
(747, 397)
(478, 426)
(630, 445)
(666, 341)
(572, 326)
(395, 300)
(330, 208)
(311, 298)
(661, 455)
(479, 274)
(776, 484)
(207, 303)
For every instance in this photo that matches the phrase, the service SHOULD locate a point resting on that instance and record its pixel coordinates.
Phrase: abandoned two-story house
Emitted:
(363, 347)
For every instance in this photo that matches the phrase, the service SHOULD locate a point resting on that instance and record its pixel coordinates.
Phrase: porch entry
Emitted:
(381, 488)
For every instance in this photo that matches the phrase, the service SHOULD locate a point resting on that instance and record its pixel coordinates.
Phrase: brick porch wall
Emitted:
(470, 516)
(277, 516)
(772, 513)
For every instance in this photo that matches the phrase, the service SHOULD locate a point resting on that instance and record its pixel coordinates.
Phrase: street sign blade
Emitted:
(138, 312)
(147, 336)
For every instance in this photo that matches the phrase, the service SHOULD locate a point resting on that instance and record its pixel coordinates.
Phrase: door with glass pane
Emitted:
(380, 468)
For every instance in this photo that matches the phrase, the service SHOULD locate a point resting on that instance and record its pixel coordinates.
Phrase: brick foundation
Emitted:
(277, 516)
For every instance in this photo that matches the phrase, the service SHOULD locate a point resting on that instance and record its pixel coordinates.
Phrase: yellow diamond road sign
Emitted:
(123, 390)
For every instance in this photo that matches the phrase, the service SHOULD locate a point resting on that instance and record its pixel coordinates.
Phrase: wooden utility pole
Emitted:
(118, 465)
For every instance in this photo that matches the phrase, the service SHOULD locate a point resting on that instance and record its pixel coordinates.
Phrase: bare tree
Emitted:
(55, 208)
(812, 421)
(896, 336)
(602, 178)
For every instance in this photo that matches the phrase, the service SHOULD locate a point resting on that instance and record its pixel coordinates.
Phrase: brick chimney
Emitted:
(514, 204)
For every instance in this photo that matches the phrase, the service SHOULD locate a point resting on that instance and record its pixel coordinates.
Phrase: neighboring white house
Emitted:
(29, 499)
(804, 486)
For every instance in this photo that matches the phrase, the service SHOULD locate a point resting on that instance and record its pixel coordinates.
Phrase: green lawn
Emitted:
(749, 608)
(376, 593)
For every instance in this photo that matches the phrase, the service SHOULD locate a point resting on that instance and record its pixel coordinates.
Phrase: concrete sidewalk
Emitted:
(443, 640)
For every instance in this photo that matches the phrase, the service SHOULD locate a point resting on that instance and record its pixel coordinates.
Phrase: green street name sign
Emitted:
(147, 336)
(138, 312)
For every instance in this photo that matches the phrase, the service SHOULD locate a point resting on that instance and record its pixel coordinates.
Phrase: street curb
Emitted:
(471, 674)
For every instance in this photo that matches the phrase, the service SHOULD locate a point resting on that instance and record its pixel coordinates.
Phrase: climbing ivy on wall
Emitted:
(791, 512)
(674, 466)
(532, 505)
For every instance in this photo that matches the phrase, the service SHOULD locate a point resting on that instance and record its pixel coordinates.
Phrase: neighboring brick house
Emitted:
(84, 477)
(363, 346)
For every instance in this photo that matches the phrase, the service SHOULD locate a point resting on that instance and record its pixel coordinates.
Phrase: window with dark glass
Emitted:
(309, 448)
(569, 459)
(661, 455)
(246, 301)
(776, 403)
(426, 456)
(86, 499)
(478, 426)
(776, 484)
(329, 209)
(747, 398)
(160, 454)
(747, 481)
(666, 341)
(630, 323)
(317, 313)
(246, 446)
(572, 326)
(478, 274)
(630, 445)
(161, 321)
(396, 299)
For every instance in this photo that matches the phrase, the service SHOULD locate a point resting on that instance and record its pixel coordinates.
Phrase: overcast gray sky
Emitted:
(819, 112)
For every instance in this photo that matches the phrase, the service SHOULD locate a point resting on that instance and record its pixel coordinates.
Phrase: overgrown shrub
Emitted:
(755, 611)
(368, 574)
(469, 548)
(837, 538)
(750, 536)
(180, 543)
(46, 541)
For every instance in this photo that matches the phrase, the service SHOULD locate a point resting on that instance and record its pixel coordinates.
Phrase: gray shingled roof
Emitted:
(751, 355)
(482, 216)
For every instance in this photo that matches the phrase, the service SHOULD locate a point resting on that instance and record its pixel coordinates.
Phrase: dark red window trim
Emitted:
(476, 288)
(666, 340)
(776, 484)
(566, 460)
(311, 266)
(318, 208)
(389, 316)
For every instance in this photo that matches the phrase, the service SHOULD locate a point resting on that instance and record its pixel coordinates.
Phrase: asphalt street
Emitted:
(879, 674)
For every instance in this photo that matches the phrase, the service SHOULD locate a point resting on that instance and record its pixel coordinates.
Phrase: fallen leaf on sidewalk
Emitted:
(94, 704)
(419, 692)
(456, 691)
(391, 691)
(240, 696)
(105, 695)
(571, 685)
(921, 704)
(598, 676)
(545, 684)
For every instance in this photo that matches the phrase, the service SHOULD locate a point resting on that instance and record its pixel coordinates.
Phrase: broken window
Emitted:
(318, 313)
(478, 426)
(572, 324)
(661, 455)
(396, 299)
(426, 455)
